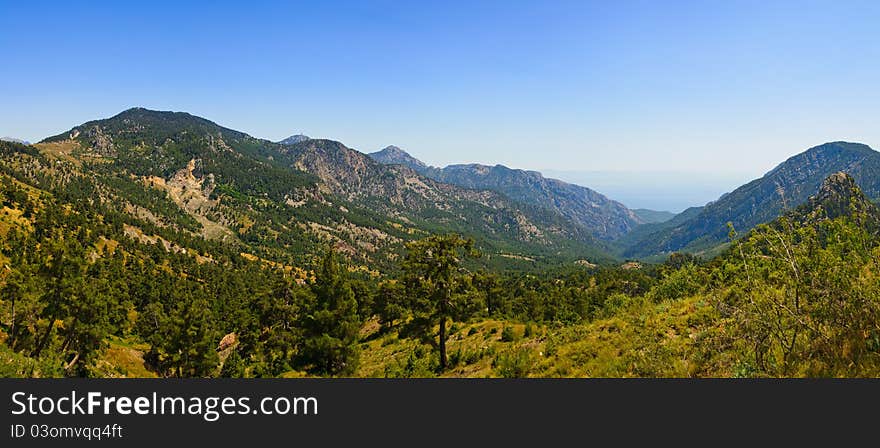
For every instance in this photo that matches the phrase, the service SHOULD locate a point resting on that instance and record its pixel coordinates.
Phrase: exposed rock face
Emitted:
(838, 196)
(101, 143)
(289, 199)
(605, 218)
(228, 341)
(192, 194)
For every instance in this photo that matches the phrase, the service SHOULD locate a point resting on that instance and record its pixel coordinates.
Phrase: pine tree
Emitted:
(330, 323)
(390, 303)
(432, 269)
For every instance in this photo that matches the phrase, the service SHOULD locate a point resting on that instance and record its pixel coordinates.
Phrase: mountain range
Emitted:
(14, 140)
(282, 201)
(604, 218)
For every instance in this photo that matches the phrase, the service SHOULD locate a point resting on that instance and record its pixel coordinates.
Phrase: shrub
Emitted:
(514, 363)
(508, 334)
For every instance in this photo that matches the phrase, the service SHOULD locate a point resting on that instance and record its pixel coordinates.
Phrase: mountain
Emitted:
(598, 215)
(603, 217)
(783, 188)
(402, 192)
(14, 140)
(284, 202)
(652, 216)
(293, 139)
(392, 155)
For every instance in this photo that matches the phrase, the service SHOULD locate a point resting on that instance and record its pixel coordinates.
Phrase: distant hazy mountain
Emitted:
(604, 218)
(14, 140)
(652, 216)
(783, 188)
(293, 139)
(668, 190)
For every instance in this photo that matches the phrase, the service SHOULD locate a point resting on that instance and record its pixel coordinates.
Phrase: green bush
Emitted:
(508, 334)
(514, 363)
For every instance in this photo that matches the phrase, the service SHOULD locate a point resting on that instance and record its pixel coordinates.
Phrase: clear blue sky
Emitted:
(620, 86)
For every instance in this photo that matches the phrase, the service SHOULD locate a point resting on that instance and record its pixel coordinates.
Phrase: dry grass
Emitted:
(123, 359)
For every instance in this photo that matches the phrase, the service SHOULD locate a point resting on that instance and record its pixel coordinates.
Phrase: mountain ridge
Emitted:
(606, 218)
(785, 187)
(262, 192)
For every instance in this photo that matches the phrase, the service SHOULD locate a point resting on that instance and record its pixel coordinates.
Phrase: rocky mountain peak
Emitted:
(393, 155)
(839, 195)
(294, 139)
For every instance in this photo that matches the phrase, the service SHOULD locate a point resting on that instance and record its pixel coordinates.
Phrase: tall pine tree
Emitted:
(433, 272)
(330, 323)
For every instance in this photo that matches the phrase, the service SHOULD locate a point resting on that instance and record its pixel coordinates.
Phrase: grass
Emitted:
(471, 350)
(123, 358)
(642, 339)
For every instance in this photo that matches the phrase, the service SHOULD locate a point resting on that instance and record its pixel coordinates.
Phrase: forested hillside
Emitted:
(283, 201)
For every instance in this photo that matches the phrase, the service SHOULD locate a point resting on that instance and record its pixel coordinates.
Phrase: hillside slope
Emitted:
(282, 201)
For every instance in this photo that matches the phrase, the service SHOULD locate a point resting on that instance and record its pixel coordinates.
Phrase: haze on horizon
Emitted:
(712, 91)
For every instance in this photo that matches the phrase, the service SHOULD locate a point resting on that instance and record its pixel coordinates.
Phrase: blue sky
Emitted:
(701, 87)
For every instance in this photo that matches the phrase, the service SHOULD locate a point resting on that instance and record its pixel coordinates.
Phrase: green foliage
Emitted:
(152, 199)
(234, 366)
(514, 363)
(762, 200)
(796, 297)
(183, 340)
(390, 303)
(432, 269)
(330, 323)
(684, 281)
(418, 364)
(806, 301)
(508, 334)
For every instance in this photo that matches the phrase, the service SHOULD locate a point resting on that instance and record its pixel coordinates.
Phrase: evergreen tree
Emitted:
(390, 304)
(330, 323)
(432, 269)
(234, 366)
(64, 273)
(183, 341)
